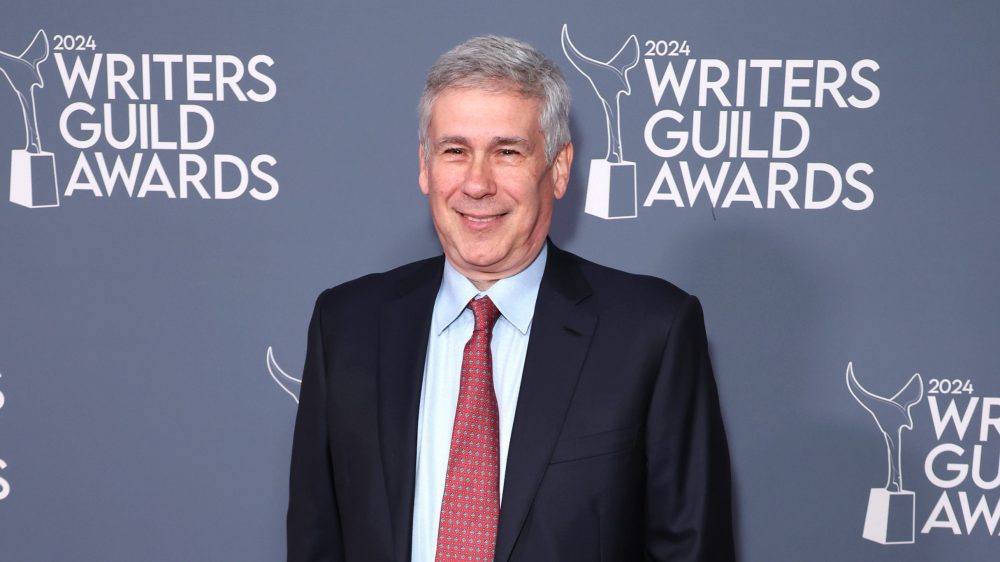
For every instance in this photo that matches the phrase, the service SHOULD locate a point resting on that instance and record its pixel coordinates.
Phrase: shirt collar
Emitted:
(514, 296)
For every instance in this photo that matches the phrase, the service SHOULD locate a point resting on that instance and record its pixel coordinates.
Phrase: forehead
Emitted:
(470, 111)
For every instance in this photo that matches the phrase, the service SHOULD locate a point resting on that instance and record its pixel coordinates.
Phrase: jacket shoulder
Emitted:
(602, 277)
(617, 288)
(373, 289)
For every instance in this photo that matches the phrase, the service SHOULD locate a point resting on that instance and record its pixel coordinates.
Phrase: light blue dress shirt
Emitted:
(451, 328)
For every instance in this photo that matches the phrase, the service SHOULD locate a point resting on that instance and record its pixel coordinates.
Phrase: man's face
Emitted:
(487, 181)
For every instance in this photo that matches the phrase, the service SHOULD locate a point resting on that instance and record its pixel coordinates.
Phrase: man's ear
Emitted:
(560, 170)
(422, 177)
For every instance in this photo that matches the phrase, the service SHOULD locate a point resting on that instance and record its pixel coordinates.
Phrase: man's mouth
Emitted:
(481, 218)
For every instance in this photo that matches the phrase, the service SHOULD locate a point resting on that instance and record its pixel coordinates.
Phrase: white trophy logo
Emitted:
(611, 191)
(287, 382)
(32, 170)
(890, 518)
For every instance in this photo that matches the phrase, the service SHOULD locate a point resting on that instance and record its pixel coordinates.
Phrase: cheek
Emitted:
(520, 186)
(439, 206)
(444, 183)
(530, 198)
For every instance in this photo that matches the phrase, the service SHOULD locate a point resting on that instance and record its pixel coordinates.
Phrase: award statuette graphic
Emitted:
(287, 382)
(611, 190)
(891, 514)
(32, 170)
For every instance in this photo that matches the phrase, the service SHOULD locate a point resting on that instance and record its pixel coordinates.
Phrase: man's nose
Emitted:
(479, 179)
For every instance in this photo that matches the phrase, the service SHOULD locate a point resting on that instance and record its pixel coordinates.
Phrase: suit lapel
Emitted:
(404, 325)
(561, 331)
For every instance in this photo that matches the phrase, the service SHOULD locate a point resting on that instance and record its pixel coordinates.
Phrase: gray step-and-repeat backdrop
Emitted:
(180, 180)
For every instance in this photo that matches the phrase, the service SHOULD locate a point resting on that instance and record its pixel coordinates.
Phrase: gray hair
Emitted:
(501, 63)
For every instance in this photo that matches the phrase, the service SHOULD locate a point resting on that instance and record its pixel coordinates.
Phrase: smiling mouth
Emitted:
(481, 218)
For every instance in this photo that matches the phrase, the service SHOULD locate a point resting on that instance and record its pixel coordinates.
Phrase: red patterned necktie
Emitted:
(470, 508)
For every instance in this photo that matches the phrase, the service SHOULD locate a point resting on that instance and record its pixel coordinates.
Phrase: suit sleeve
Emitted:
(313, 523)
(688, 501)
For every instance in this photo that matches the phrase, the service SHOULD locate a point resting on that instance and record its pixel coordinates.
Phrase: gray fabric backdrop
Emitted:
(140, 420)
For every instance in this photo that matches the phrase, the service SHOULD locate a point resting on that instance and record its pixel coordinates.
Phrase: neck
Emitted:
(481, 284)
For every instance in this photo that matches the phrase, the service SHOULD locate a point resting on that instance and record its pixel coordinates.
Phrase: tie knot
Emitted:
(486, 313)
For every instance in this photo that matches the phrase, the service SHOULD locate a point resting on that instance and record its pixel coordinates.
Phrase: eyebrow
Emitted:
(452, 140)
(503, 141)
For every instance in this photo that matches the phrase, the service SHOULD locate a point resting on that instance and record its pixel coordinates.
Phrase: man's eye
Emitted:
(508, 152)
(453, 150)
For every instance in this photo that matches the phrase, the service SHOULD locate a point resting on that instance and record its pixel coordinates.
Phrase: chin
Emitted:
(480, 260)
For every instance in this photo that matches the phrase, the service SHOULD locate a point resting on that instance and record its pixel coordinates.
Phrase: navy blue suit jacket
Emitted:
(617, 454)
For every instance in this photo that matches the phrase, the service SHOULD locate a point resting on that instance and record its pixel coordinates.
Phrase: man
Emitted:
(507, 401)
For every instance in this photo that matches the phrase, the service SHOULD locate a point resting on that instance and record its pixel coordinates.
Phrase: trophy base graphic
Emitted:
(33, 179)
(611, 190)
(890, 518)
